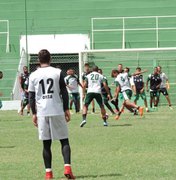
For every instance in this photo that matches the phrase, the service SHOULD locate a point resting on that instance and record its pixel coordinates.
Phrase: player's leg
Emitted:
(99, 100)
(156, 98)
(47, 157)
(151, 99)
(75, 101)
(59, 131)
(88, 100)
(115, 102)
(131, 105)
(25, 102)
(144, 97)
(28, 109)
(165, 93)
(71, 101)
(105, 100)
(93, 106)
(66, 153)
(45, 136)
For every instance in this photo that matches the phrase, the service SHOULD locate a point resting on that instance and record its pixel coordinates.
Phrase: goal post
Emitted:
(146, 58)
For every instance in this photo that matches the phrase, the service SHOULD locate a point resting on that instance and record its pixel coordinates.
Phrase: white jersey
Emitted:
(94, 81)
(123, 80)
(45, 83)
(164, 79)
(72, 82)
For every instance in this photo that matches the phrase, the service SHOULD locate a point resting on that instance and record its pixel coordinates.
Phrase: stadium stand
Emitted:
(64, 17)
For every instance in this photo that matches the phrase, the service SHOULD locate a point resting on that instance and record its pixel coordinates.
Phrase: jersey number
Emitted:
(94, 77)
(50, 82)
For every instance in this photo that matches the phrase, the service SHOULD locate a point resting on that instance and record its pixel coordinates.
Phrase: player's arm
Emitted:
(64, 94)
(33, 107)
(141, 72)
(158, 86)
(117, 90)
(20, 81)
(84, 87)
(106, 88)
(79, 83)
(167, 82)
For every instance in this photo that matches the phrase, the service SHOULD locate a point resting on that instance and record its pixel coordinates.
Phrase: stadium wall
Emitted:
(63, 17)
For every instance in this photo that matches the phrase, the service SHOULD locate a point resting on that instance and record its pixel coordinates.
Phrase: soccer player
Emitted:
(1, 76)
(69, 92)
(72, 82)
(93, 83)
(85, 73)
(155, 82)
(140, 88)
(26, 96)
(123, 86)
(48, 99)
(164, 86)
(105, 95)
(22, 79)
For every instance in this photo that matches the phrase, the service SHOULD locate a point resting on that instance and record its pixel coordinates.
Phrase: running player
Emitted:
(85, 73)
(1, 76)
(105, 95)
(140, 88)
(93, 83)
(72, 82)
(155, 82)
(48, 98)
(164, 86)
(123, 86)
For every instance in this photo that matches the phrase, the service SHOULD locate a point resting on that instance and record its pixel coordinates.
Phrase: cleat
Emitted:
(83, 123)
(117, 117)
(105, 124)
(141, 111)
(147, 110)
(170, 107)
(135, 112)
(49, 175)
(68, 173)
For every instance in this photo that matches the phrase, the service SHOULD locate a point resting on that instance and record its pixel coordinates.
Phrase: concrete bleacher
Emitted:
(65, 17)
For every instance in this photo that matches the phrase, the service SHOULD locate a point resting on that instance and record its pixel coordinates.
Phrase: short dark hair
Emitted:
(114, 71)
(138, 68)
(95, 68)
(86, 64)
(44, 56)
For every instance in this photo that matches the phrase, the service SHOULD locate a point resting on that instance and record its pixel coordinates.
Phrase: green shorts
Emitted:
(142, 95)
(127, 94)
(91, 96)
(154, 93)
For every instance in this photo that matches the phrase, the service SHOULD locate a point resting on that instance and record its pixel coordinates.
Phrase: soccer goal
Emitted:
(4, 33)
(146, 58)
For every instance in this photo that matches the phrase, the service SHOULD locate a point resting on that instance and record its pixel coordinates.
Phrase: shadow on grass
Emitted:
(5, 120)
(6, 147)
(115, 125)
(98, 176)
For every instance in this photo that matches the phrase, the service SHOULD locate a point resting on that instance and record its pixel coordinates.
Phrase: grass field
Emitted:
(131, 148)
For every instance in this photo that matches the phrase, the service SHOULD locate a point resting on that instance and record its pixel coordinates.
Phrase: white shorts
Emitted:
(53, 127)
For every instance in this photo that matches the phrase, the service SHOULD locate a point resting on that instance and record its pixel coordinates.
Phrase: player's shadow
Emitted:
(99, 176)
(120, 125)
(7, 147)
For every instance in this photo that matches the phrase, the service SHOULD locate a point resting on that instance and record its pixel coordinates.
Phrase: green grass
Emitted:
(131, 148)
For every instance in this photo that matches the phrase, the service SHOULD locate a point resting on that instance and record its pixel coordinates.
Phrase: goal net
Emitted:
(132, 58)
